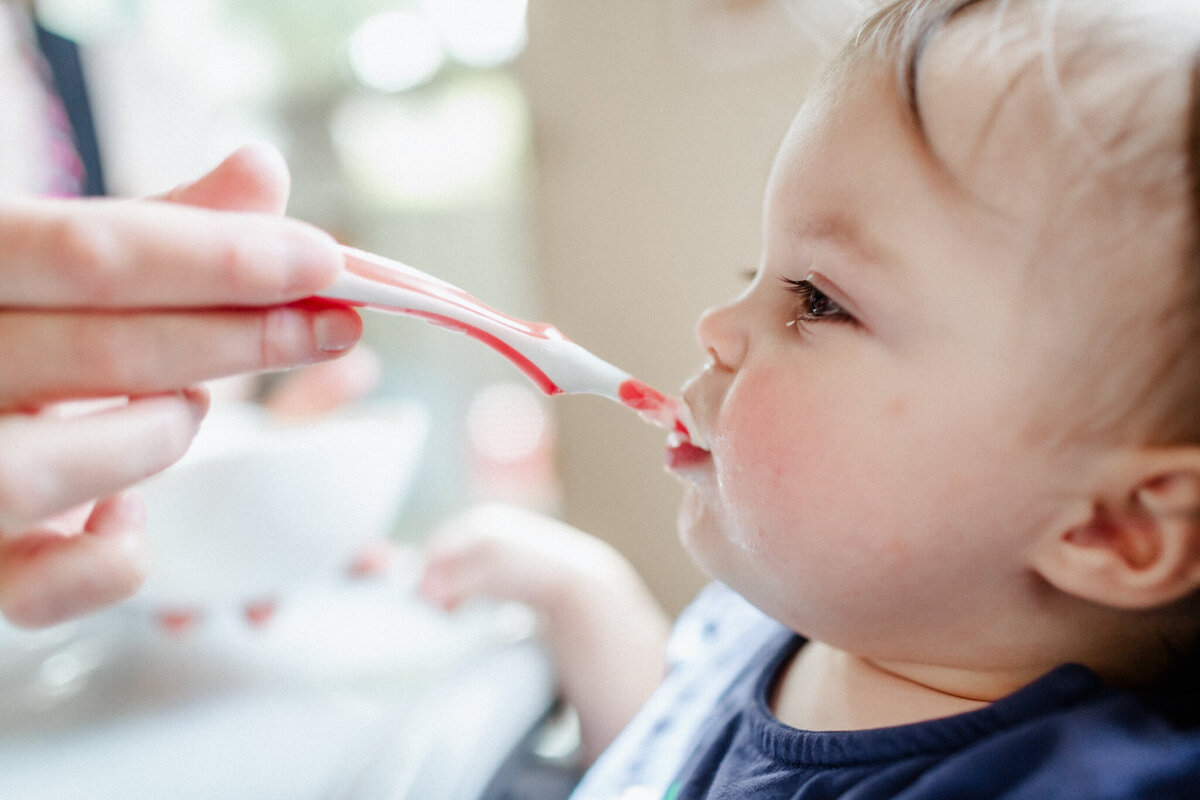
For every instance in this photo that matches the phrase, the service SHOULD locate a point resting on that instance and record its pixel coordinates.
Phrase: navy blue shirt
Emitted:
(1064, 737)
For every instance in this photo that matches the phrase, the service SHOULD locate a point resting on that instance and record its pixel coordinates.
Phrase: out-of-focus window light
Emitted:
(456, 144)
(183, 72)
(737, 34)
(507, 423)
(480, 33)
(396, 50)
(83, 20)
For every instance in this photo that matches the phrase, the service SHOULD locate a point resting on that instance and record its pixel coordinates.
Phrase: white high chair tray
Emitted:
(352, 692)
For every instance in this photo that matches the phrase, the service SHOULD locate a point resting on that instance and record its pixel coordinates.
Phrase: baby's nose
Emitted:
(722, 337)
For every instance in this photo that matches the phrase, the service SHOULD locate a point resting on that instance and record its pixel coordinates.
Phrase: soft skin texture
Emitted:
(140, 301)
(881, 477)
(605, 630)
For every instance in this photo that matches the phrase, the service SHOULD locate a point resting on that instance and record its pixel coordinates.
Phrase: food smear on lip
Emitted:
(568, 360)
(663, 411)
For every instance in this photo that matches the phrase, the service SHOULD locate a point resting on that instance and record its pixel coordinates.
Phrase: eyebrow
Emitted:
(845, 233)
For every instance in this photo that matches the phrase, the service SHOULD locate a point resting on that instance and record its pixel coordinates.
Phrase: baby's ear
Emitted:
(1136, 543)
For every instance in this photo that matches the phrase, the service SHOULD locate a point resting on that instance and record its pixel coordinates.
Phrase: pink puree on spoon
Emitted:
(554, 363)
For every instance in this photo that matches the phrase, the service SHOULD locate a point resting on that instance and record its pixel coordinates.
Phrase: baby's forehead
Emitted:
(1025, 102)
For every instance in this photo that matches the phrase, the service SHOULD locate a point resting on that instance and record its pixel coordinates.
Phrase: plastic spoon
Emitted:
(552, 361)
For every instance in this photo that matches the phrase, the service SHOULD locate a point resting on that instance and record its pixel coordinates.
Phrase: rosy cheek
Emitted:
(793, 467)
(764, 454)
(779, 424)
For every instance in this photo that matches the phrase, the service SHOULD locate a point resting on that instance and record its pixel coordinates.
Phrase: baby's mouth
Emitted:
(687, 431)
(684, 457)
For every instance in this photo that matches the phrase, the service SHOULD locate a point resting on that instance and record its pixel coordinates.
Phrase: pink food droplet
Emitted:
(177, 621)
(260, 612)
(372, 561)
(652, 405)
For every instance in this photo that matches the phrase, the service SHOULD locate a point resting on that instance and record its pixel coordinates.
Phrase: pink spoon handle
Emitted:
(552, 361)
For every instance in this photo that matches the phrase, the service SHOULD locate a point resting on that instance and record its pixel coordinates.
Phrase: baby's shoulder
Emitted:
(1128, 748)
(1105, 745)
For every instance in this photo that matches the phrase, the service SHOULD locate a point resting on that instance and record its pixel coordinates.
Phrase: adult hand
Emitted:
(143, 301)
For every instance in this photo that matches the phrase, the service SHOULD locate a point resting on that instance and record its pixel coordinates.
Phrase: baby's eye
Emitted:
(814, 305)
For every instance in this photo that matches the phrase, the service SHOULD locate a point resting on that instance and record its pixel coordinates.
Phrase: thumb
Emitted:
(253, 178)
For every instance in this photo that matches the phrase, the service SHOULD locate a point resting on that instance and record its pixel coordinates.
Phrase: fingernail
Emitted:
(336, 330)
(199, 399)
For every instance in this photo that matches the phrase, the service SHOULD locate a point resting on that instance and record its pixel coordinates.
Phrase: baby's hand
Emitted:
(501, 552)
(604, 628)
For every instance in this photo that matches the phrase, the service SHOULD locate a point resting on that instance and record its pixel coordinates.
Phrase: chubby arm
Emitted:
(605, 630)
(142, 300)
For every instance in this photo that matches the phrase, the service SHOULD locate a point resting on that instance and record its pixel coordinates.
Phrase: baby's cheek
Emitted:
(778, 451)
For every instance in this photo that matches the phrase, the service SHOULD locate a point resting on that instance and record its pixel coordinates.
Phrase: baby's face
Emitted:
(884, 401)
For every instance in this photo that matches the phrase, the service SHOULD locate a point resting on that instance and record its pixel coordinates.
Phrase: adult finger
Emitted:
(44, 469)
(88, 253)
(56, 355)
(253, 178)
(47, 577)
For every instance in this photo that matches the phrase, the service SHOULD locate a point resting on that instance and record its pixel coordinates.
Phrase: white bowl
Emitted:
(257, 509)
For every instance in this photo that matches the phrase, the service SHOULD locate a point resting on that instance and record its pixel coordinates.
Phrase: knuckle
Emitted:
(230, 257)
(87, 253)
(477, 550)
(280, 335)
(238, 263)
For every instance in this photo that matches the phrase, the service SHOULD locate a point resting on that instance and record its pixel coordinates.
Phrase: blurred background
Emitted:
(597, 165)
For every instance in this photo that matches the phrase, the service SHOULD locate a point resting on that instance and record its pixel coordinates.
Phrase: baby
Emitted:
(955, 434)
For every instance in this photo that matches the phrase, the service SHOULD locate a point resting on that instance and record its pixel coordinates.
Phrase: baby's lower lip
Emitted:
(685, 455)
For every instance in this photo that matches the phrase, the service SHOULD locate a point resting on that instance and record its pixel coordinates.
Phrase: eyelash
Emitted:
(815, 306)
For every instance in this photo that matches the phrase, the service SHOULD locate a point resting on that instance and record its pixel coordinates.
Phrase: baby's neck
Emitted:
(824, 689)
